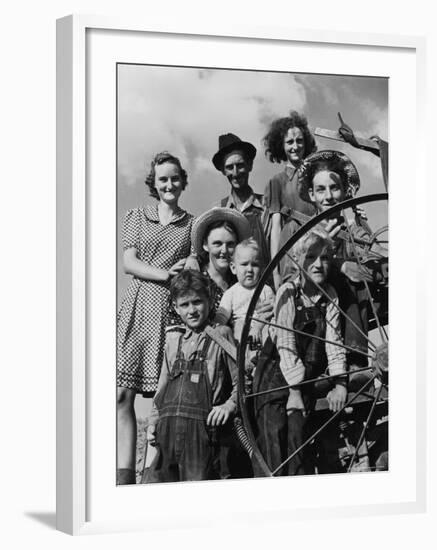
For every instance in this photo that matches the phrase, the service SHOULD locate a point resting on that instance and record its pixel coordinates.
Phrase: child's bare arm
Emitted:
(162, 381)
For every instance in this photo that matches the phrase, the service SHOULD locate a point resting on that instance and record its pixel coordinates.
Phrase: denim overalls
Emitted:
(186, 448)
(279, 434)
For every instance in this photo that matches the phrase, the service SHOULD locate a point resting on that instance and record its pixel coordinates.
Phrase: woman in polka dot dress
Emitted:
(156, 242)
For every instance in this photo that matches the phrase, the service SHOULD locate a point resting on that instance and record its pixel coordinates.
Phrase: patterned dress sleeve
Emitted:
(131, 229)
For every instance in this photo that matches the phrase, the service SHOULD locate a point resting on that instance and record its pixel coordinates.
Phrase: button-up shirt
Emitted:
(282, 195)
(222, 370)
(252, 210)
(291, 364)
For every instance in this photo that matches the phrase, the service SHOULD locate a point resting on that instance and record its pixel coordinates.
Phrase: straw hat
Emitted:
(336, 161)
(229, 143)
(203, 222)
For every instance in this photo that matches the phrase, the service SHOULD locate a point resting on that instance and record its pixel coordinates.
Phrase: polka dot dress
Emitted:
(143, 313)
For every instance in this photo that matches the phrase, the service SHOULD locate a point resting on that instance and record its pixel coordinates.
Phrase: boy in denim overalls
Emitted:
(197, 390)
(305, 352)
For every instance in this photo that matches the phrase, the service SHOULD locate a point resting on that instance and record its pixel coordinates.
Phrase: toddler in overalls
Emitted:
(282, 416)
(197, 390)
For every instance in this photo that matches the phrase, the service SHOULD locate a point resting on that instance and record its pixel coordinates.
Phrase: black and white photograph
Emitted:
(252, 274)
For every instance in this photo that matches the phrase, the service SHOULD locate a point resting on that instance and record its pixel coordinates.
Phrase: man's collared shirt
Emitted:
(252, 210)
(255, 200)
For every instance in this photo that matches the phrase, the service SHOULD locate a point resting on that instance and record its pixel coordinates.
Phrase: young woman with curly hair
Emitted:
(288, 141)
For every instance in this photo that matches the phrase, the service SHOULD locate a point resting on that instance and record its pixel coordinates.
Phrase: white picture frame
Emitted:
(80, 491)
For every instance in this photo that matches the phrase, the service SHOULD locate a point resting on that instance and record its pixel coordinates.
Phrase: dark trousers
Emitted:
(233, 462)
(185, 451)
(279, 436)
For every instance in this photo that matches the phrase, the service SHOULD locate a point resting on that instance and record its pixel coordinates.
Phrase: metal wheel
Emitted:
(368, 385)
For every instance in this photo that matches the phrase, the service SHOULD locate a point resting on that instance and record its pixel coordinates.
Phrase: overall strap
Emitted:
(226, 346)
(179, 354)
(297, 294)
(298, 301)
(203, 352)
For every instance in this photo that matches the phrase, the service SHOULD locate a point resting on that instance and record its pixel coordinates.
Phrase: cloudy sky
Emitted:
(184, 110)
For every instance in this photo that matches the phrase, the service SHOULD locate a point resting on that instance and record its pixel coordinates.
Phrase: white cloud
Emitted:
(185, 110)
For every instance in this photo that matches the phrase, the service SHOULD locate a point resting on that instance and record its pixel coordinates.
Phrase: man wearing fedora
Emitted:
(234, 159)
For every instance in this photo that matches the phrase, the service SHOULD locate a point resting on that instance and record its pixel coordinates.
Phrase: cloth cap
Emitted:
(229, 143)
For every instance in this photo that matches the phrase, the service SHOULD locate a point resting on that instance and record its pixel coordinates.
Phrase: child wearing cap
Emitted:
(197, 390)
(300, 308)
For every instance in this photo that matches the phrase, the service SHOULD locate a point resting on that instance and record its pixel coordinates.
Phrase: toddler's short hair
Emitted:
(187, 281)
(316, 236)
(246, 243)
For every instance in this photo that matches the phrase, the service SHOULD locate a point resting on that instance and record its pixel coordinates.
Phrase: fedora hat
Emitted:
(204, 221)
(229, 143)
(337, 162)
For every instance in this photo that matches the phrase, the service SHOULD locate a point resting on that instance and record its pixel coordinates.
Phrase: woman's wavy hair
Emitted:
(162, 158)
(274, 139)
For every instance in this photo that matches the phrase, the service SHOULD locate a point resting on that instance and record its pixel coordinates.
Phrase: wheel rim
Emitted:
(381, 374)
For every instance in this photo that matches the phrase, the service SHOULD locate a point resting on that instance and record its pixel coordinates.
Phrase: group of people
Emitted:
(192, 282)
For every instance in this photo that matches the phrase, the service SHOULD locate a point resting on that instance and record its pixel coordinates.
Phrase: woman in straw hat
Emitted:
(214, 237)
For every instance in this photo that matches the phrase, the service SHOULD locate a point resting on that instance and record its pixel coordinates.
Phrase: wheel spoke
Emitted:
(306, 382)
(323, 426)
(296, 331)
(381, 329)
(363, 243)
(333, 302)
(364, 430)
(372, 250)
